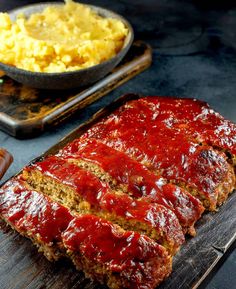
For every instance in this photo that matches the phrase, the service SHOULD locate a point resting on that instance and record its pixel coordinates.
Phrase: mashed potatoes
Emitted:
(61, 38)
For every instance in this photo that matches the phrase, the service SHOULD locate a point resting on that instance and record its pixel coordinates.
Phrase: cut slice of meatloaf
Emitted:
(131, 177)
(104, 251)
(82, 191)
(118, 258)
(197, 119)
(34, 215)
(167, 152)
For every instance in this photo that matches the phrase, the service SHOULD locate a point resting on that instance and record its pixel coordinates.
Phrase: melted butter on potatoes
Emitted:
(61, 38)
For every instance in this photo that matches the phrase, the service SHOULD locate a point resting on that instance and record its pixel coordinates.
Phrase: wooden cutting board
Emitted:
(22, 267)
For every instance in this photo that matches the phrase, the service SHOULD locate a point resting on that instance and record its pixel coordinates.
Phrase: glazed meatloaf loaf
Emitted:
(119, 199)
(122, 259)
(196, 152)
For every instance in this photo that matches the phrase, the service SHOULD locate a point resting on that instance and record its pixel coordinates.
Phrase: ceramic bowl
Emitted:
(73, 79)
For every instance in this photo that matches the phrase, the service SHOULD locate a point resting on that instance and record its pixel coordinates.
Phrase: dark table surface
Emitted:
(194, 55)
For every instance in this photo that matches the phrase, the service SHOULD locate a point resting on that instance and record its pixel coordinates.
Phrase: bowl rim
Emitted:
(127, 42)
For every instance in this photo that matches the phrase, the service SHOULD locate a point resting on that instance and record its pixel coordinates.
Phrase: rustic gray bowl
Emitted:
(66, 80)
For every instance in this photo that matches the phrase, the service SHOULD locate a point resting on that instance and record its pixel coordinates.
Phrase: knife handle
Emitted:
(5, 161)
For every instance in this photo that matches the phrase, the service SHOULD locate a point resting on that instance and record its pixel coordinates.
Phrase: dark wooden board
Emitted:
(22, 267)
(25, 111)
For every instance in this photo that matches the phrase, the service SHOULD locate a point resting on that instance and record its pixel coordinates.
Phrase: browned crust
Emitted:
(161, 270)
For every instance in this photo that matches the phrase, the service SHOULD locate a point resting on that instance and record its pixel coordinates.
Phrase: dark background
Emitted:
(194, 55)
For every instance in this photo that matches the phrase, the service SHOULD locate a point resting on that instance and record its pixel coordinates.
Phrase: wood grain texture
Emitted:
(22, 267)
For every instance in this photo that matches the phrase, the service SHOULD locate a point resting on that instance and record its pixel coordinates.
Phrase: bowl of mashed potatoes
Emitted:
(62, 45)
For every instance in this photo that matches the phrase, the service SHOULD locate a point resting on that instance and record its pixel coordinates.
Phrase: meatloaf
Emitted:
(105, 252)
(80, 190)
(134, 179)
(119, 199)
(148, 134)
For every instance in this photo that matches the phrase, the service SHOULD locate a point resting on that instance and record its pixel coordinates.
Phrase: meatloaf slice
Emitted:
(104, 251)
(197, 119)
(133, 178)
(35, 216)
(82, 191)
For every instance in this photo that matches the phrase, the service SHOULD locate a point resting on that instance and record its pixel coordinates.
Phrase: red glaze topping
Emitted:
(107, 241)
(33, 212)
(100, 196)
(140, 181)
(147, 137)
(127, 253)
(197, 119)
(140, 261)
